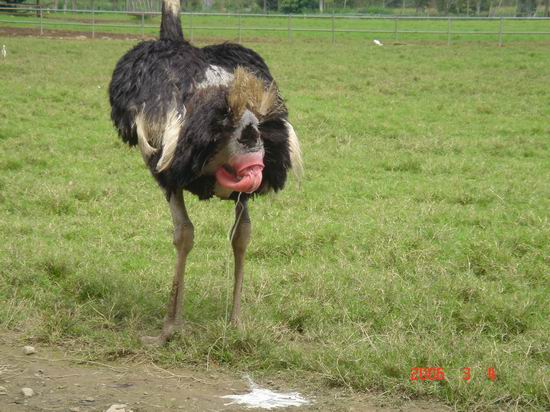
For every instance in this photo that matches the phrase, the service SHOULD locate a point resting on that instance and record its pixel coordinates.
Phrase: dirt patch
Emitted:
(68, 34)
(61, 19)
(81, 35)
(61, 382)
(86, 35)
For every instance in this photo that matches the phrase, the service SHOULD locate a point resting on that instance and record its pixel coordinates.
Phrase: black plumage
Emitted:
(156, 75)
(209, 121)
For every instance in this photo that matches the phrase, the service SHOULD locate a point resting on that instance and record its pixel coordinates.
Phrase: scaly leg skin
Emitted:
(183, 241)
(240, 240)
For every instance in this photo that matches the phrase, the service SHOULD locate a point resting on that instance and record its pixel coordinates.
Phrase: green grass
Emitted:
(419, 237)
(253, 27)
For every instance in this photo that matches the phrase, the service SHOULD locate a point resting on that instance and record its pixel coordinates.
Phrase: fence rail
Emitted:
(46, 18)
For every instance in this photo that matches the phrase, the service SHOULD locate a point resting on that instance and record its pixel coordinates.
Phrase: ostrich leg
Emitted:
(241, 237)
(183, 241)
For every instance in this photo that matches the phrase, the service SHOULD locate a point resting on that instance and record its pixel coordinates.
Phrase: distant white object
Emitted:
(377, 42)
(266, 399)
(4, 51)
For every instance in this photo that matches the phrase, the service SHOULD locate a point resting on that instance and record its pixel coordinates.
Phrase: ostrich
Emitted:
(209, 121)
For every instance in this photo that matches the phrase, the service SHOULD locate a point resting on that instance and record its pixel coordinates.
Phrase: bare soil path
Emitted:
(64, 383)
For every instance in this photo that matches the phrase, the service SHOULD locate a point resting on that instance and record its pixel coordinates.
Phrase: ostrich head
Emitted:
(244, 153)
(236, 113)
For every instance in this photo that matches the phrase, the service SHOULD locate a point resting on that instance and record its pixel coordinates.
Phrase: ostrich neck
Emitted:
(172, 5)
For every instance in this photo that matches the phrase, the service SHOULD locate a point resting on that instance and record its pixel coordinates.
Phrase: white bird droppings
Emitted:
(118, 407)
(266, 399)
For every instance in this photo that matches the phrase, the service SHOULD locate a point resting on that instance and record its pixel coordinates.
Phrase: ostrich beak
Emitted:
(243, 173)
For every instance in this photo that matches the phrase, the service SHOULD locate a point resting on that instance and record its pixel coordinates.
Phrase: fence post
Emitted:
(500, 33)
(333, 26)
(41, 23)
(240, 29)
(142, 25)
(289, 29)
(395, 29)
(191, 25)
(449, 33)
(93, 19)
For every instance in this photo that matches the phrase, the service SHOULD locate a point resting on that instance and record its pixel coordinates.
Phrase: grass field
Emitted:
(419, 237)
(293, 28)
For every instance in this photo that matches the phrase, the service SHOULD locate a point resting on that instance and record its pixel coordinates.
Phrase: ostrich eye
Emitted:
(226, 121)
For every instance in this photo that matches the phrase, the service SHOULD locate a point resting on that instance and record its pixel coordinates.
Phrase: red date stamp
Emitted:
(438, 374)
(427, 374)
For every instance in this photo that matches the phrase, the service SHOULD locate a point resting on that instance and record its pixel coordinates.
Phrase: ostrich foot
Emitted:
(235, 321)
(166, 334)
(154, 341)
